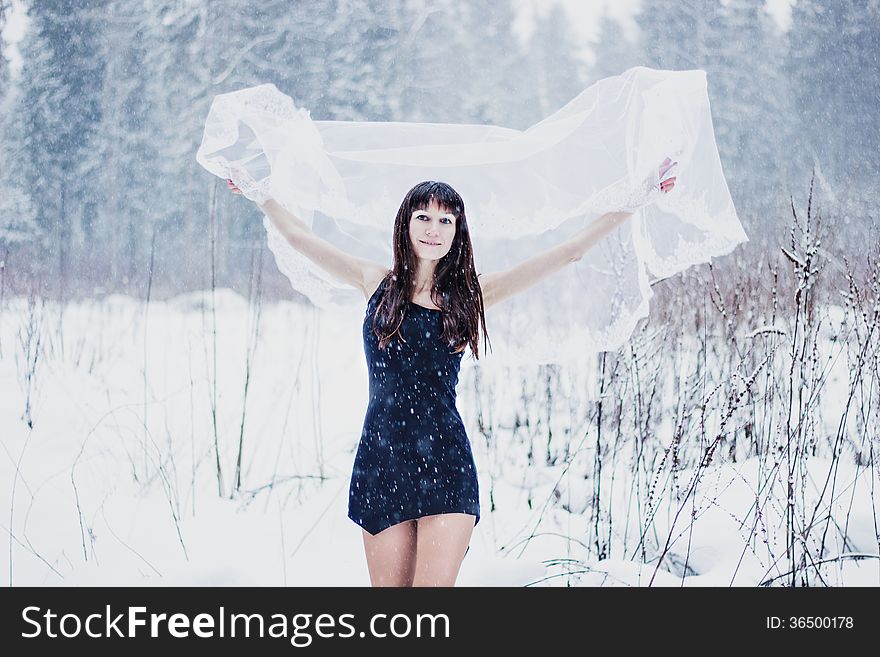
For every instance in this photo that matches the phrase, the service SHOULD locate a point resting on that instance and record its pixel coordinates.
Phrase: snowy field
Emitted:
(141, 415)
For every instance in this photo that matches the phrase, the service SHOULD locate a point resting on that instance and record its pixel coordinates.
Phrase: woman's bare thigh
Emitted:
(391, 554)
(442, 540)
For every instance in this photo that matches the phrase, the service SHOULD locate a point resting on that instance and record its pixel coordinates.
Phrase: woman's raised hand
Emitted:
(666, 184)
(625, 197)
(246, 186)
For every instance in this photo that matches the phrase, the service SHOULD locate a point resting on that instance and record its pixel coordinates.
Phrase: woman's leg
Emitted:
(391, 554)
(442, 541)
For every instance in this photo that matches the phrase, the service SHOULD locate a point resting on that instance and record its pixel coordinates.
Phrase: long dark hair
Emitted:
(455, 289)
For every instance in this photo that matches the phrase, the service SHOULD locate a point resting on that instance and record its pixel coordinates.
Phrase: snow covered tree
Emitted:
(57, 111)
(436, 80)
(17, 216)
(152, 113)
(560, 75)
(16, 210)
(614, 53)
(500, 71)
(738, 47)
(4, 63)
(833, 69)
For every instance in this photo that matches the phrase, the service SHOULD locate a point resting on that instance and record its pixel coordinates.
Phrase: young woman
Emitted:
(414, 489)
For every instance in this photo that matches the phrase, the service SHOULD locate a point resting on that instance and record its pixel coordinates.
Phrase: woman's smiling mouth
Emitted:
(429, 243)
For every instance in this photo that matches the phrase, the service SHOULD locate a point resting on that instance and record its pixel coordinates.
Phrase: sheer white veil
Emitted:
(524, 191)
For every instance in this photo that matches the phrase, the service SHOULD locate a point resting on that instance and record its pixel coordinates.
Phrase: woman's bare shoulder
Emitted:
(372, 277)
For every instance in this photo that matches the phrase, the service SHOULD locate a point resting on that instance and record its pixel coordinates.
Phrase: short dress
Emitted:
(414, 458)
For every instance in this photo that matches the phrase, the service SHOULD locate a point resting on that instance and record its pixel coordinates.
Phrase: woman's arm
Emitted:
(357, 272)
(500, 285)
(497, 286)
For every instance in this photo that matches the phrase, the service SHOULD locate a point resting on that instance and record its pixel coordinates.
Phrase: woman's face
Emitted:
(431, 232)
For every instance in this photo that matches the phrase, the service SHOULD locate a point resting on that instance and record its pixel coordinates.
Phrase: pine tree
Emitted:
(58, 113)
(833, 68)
(17, 215)
(560, 76)
(681, 35)
(501, 90)
(16, 211)
(433, 60)
(614, 53)
(756, 121)
(5, 6)
(738, 47)
(361, 67)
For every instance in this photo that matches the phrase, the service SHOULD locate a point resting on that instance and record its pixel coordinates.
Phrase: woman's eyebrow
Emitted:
(418, 212)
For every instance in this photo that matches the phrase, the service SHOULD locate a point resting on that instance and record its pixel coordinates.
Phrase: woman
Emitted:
(414, 489)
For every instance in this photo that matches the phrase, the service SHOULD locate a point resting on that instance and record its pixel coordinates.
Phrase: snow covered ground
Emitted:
(116, 483)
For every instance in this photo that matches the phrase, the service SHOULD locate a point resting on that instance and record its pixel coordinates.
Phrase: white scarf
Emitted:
(524, 191)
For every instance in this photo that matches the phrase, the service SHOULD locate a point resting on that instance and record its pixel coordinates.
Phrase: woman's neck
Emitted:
(424, 277)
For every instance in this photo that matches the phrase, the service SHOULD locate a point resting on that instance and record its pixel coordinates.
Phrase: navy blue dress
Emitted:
(414, 458)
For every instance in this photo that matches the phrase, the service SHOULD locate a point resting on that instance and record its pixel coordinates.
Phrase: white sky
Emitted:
(13, 31)
(585, 15)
